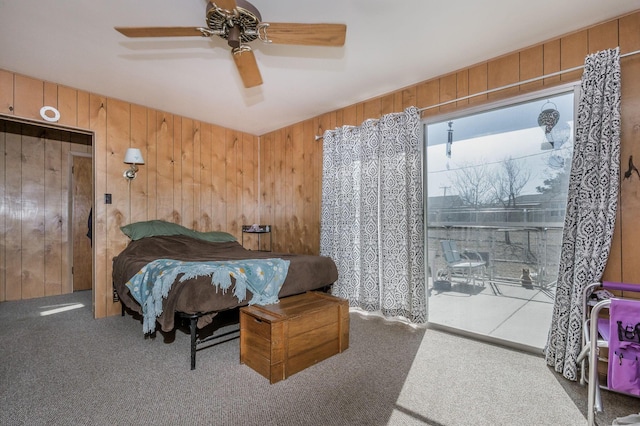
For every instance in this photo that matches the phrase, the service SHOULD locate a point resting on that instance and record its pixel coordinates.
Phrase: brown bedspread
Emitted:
(198, 296)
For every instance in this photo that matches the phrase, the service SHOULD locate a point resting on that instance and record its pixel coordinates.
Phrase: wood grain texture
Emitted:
(279, 215)
(387, 104)
(50, 96)
(97, 111)
(32, 220)
(13, 215)
(310, 191)
(206, 176)
(544, 58)
(372, 108)
(573, 50)
(187, 185)
(118, 212)
(299, 235)
(622, 265)
(290, 221)
(502, 72)
(349, 117)
(66, 244)
(462, 87)
(531, 66)
(249, 187)
(265, 209)
(151, 164)
(197, 178)
(629, 36)
(176, 208)
(33, 226)
(408, 97)
(164, 167)
(233, 225)
(223, 193)
(551, 61)
(280, 340)
(218, 179)
(603, 36)
(55, 207)
(627, 244)
(138, 186)
(68, 106)
(84, 112)
(448, 88)
(478, 83)
(428, 94)
(81, 206)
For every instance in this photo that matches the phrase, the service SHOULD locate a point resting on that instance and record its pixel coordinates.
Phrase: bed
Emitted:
(196, 299)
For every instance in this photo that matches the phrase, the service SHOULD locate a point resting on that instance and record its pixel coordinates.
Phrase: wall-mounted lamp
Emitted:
(133, 157)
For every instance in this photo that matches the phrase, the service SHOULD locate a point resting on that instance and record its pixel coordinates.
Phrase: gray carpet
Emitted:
(67, 368)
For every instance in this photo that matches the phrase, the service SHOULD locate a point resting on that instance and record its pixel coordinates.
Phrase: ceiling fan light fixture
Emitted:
(245, 18)
(239, 22)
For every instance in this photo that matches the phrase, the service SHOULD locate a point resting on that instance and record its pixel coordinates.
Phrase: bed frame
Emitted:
(197, 302)
(196, 343)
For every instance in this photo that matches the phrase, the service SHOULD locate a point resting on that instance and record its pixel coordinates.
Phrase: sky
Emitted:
(491, 137)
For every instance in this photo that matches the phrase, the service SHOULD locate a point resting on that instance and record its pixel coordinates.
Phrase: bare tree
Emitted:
(508, 181)
(472, 184)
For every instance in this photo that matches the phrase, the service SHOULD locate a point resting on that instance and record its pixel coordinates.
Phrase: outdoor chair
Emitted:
(619, 331)
(469, 264)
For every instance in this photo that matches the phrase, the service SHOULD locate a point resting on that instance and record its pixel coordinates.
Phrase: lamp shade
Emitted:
(133, 156)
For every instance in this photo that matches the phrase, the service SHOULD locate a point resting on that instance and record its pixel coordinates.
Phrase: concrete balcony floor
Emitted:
(500, 310)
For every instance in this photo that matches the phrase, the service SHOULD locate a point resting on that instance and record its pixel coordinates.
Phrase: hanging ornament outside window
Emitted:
(449, 139)
(559, 135)
(548, 118)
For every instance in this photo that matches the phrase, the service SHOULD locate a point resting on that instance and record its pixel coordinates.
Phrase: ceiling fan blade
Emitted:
(247, 66)
(159, 31)
(305, 34)
(225, 4)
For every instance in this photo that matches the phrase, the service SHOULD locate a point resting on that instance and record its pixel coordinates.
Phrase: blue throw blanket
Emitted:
(263, 277)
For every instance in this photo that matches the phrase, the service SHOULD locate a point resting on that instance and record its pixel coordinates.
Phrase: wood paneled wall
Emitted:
(213, 178)
(291, 201)
(196, 174)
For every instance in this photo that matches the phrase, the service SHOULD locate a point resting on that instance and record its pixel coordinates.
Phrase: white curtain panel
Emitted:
(372, 214)
(591, 207)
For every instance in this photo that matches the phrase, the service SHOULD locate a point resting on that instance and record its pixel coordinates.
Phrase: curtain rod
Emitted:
(508, 86)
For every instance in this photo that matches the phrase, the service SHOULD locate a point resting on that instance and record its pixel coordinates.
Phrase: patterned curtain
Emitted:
(591, 206)
(372, 214)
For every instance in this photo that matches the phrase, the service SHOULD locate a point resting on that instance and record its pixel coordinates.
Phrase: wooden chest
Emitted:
(282, 339)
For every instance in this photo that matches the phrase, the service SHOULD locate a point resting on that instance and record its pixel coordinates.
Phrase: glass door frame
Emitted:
(452, 115)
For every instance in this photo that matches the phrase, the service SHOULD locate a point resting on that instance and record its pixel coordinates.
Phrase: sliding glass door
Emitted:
(496, 185)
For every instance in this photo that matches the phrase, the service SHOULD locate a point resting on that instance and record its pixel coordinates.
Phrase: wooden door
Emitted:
(80, 210)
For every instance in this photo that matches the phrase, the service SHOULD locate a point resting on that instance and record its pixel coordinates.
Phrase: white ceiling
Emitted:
(389, 45)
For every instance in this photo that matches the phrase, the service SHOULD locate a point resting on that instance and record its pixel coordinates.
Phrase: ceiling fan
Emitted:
(239, 22)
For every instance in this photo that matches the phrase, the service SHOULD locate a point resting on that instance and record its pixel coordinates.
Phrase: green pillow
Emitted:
(152, 228)
(214, 236)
